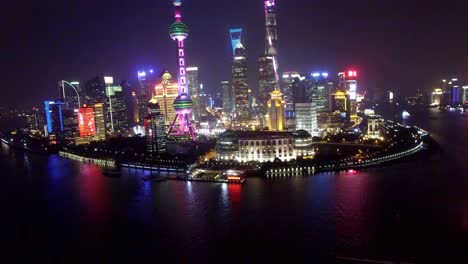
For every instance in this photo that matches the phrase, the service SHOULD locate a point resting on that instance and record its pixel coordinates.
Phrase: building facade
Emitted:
(306, 118)
(193, 84)
(100, 119)
(165, 93)
(276, 111)
(86, 122)
(267, 82)
(239, 84)
(263, 146)
(155, 129)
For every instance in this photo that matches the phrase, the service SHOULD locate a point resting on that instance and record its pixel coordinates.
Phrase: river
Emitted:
(57, 210)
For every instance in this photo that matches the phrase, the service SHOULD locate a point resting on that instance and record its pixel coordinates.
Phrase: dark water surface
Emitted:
(56, 210)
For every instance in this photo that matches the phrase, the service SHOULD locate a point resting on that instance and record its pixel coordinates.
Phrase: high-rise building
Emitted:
(95, 91)
(155, 129)
(194, 91)
(306, 118)
(54, 117)
(100, 119)
(239, 83)
(436, 97)
(267, 82)
(287, 89)
(351, 88)
(86, 122)
(71, 98)
(117, 109)
(236, 36)
(181, 126)
(321, 93)
(144, 91)
(276, 111)
(271, 38)
(268, 63)
(165, 93)
(35, 120)
(226, 87)
(70, 124)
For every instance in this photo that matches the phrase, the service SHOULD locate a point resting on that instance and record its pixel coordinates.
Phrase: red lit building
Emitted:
(86, 122)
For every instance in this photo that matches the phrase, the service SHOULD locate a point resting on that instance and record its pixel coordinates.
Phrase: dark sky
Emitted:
(398, 45)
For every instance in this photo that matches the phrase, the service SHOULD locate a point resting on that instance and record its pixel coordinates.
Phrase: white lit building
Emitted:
(373, 126)
(306, 118)
(263, 146)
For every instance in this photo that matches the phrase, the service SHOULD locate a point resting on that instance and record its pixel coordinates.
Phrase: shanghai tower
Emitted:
(268, 63)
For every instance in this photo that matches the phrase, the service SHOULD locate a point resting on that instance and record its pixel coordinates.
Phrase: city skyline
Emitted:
(51, 45)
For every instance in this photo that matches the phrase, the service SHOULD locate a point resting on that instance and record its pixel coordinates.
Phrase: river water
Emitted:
(61, 211)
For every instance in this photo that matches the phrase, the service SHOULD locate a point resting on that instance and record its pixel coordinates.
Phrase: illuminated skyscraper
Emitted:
(226, 87)
(267, 82)
(351, 87)
(271, 38)
(276, 111)
(54, 117)
(287, 89)
(86, 122)
(146, 82)
(155, 129)
(116, 107)
(194, 90)
(321, 93)
(306, 118)
(236, 36)
(100, 119)
(183, 103)
(165, 93)
(239, 83)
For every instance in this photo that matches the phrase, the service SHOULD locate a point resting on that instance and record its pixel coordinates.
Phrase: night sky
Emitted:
(397, 45)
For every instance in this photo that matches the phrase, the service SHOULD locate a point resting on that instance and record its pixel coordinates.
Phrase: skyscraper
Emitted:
(267, 82)
(271, 38)
(194, 90)
(183, 103)
(276, 111)
(226, 87)
(239, 83)
(306, 118)
(117, 109)
(321, 93)
(351, 87)
(86, 122)
(268, 63)
(146, 81)
(155, 129)
(165, 93)
(236, 36)
(54, 117)
(287, 89)
(100, 119)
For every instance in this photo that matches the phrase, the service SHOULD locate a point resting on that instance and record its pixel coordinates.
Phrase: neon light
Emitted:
(315, 74)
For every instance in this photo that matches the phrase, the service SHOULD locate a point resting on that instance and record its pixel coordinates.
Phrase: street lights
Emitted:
(63, 82)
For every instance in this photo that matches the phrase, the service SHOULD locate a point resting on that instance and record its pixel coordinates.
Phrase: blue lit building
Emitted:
(236, 35)
(54, 116)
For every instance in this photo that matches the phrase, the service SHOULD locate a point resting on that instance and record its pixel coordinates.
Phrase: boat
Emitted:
(112, 173)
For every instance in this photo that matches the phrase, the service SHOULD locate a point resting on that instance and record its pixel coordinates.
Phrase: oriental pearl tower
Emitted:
(183, 103)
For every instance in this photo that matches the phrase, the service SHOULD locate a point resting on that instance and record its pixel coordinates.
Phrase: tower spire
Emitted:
(178, 31)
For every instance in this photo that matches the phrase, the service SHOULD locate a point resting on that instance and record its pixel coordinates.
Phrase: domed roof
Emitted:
(302, 134)
(167, 76)
(178, 30)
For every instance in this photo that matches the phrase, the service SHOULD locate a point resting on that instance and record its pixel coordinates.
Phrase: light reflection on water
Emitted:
(349, 213)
